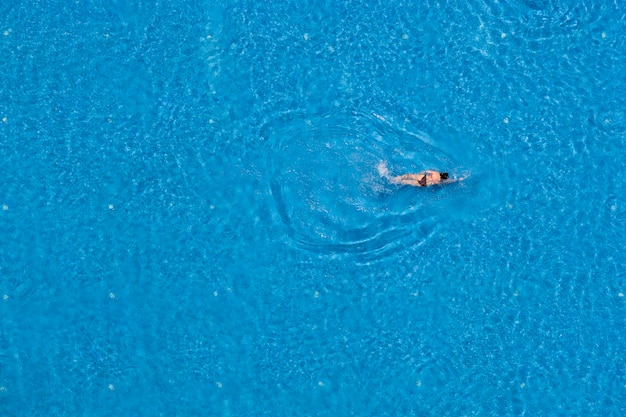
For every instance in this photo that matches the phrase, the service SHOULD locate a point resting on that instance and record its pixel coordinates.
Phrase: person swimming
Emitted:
(421, 179)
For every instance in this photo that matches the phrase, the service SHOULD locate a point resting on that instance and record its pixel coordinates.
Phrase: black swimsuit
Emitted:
(422, 182)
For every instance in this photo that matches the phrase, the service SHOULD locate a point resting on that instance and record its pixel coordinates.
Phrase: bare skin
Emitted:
(421, 179)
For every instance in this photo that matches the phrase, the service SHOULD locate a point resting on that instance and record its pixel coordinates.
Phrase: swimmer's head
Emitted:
(444, 175)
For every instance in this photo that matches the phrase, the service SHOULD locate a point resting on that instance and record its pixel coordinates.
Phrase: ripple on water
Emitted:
(550, 12)
(328, 193)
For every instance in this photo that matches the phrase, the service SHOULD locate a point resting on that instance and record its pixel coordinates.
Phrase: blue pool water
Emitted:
(192, 222)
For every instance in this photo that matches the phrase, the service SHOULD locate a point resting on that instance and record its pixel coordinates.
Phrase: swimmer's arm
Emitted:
(454, 180)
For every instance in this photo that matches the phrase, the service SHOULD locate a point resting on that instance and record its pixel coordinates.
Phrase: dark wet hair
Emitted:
(444, 175)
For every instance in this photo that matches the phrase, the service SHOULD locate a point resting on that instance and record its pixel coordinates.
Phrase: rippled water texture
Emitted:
(352, 209)
(193, 222)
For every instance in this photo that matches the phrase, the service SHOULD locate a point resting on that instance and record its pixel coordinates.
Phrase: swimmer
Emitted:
(422, 179)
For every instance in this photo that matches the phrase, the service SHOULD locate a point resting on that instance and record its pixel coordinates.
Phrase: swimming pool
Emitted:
(193, 223)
